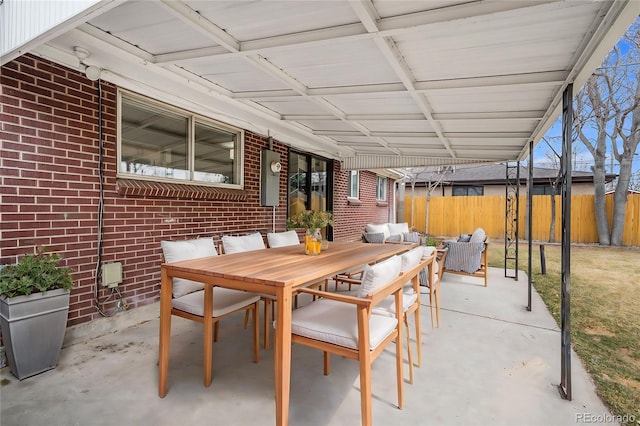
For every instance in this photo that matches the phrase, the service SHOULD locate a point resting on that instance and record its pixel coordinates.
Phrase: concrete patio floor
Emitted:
(490, 363)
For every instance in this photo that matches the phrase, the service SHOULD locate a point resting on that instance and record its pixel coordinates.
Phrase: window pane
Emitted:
(353, 184)
(318, 184)
(459, 191)
(214, 159)
(381, 188)
(297, 183)
(153, 142)
(475, 190)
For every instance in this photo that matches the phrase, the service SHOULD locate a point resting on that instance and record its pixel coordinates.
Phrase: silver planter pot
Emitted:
(33, 329)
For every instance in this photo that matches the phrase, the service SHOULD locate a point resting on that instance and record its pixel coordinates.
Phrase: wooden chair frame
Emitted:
(364, 355)
(208, 325)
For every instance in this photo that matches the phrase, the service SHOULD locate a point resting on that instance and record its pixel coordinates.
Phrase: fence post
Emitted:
(543, 262)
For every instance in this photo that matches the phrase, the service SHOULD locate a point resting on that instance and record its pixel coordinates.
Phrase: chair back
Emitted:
(175, 251)
(238, 244)
(282, 239)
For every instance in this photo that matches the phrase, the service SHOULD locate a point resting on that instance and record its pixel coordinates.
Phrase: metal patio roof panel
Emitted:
(144, 24)
(252, 20)
(349, 63)
(356, 78)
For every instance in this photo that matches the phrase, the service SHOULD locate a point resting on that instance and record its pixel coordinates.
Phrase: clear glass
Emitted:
(153, 142)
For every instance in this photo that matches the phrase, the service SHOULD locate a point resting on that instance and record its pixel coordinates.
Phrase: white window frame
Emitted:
(351, 191)
(381, 188)
(192, 118)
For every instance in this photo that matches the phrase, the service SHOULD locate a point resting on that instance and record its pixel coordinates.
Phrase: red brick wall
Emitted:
(49, 189)
(350, 218)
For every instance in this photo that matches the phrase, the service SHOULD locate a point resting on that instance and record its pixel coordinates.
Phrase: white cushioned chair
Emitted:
(346, 326)
(188, 296)
(244, 243)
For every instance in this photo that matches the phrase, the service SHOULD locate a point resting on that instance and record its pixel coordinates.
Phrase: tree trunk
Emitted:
(600, 204)
(620, 202)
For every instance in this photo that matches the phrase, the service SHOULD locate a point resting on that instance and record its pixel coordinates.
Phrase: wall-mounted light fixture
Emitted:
(91, 71)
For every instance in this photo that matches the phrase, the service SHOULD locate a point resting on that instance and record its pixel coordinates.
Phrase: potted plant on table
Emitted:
(312, 221)
(34, 306)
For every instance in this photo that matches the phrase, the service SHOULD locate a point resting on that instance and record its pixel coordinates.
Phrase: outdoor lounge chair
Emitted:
(468, 255)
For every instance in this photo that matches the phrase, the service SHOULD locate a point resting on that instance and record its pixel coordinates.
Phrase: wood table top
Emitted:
(286, 266)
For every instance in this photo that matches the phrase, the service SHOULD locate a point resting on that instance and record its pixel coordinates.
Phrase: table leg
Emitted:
(207, 341)
(165, 332)
(282, 355)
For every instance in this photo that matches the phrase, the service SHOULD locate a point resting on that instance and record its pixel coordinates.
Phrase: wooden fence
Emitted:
(451, 216)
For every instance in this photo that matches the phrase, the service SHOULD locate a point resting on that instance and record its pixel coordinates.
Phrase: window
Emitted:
(308, 191)
(381, 189)
(354, 184)
(544, 189)
(163, 143)
(467, 190)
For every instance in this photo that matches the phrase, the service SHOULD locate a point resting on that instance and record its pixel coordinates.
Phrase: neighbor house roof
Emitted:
(495, 174)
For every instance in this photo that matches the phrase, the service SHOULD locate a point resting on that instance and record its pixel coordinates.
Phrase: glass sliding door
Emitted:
(310, 184)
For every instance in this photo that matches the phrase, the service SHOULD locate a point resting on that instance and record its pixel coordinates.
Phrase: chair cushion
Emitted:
(411, 237)
(411, 258)
(378, 275)
(175, 251)
(336, 322)
(477, 236)
(395, 238)
(464, 238)
(370, 228)
(233, 244)
(427, 251)
(225, 300)
(387, 306)
(398, 228)
(282, 239)
(374, 237)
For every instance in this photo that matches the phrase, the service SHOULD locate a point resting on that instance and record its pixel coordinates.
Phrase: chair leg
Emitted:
(399, 376)
(327, 363)
(216, 327)
(246, 319)
(406, 324)
(256, 333)
(431, 306)
(365, 390)
(438, 307)
(418, 336)
(268, 311)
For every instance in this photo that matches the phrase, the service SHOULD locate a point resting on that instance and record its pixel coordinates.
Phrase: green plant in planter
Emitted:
(430, 241)
(34, 307)
(34, 273)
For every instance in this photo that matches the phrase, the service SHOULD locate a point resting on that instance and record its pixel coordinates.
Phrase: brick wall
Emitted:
(50, 189)
(350, 217)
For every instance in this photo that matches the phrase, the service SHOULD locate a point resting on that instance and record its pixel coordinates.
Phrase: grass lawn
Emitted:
(605, 314)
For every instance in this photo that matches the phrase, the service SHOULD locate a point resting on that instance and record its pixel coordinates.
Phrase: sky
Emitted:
(583, 159)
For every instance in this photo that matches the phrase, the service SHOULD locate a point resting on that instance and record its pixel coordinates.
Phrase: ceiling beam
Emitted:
(409, 23)
(201, 24)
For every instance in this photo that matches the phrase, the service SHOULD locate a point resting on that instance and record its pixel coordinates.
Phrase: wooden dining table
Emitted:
(276, 271)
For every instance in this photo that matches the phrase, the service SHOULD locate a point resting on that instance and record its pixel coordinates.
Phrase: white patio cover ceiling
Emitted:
(375, 84)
